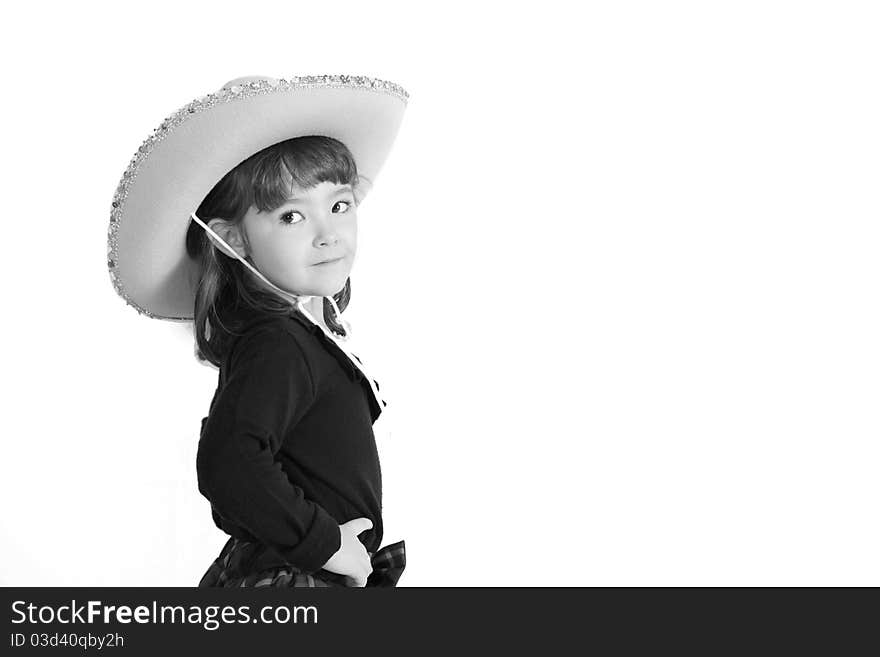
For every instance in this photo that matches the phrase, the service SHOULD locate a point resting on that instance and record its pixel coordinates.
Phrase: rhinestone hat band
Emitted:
(233, 93)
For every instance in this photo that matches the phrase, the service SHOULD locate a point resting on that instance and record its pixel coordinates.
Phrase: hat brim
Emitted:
(176, 167)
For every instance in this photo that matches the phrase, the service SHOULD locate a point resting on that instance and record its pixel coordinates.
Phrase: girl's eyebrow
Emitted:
(339, 192)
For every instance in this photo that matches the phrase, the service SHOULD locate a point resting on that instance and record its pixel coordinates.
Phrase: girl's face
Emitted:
(291, 245)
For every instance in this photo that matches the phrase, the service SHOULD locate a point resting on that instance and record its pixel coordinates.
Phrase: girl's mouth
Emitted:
(330, 262)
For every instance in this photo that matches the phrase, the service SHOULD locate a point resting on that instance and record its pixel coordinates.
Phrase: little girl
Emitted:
(287, 456)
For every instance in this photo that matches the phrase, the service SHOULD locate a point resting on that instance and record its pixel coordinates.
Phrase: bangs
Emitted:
(300, 163)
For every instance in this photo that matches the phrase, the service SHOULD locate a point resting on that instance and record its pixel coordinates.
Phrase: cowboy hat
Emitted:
(181, 161)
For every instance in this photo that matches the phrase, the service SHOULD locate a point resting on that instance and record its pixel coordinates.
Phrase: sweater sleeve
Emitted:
(268, 389)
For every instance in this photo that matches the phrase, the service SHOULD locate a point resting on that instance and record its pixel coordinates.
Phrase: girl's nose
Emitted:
(326, 233)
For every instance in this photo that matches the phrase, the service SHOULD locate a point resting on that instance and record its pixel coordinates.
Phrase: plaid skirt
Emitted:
(230, 570)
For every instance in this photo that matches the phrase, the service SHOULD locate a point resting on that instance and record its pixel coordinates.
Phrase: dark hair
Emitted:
(265, 180)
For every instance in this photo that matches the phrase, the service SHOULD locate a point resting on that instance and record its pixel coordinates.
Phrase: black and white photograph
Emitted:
(461, 295)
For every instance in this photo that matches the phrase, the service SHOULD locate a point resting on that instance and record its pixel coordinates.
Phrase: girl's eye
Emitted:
(289, 213)
(286, 217)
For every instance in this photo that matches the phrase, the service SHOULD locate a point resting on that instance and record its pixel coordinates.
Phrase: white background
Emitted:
(619, 281)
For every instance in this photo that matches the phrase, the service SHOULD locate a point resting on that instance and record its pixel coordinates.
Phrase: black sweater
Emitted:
(287, 452)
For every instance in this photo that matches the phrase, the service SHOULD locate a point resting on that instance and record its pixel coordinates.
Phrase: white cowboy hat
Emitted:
(177, 165)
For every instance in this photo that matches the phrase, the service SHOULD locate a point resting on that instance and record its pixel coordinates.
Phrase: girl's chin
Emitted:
(323, 284)
(334, 280)
(326, 290)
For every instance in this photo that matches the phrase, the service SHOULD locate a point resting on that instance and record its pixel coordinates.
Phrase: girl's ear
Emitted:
(231, 234)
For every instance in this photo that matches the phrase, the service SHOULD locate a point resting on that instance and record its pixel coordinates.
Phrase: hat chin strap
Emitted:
(299, 300)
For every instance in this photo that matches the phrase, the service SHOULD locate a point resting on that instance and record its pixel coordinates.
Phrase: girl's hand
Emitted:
(352, 558)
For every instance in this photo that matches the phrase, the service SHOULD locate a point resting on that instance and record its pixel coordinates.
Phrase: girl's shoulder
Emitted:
(270, 356)
(294, 336)
(278, 335)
